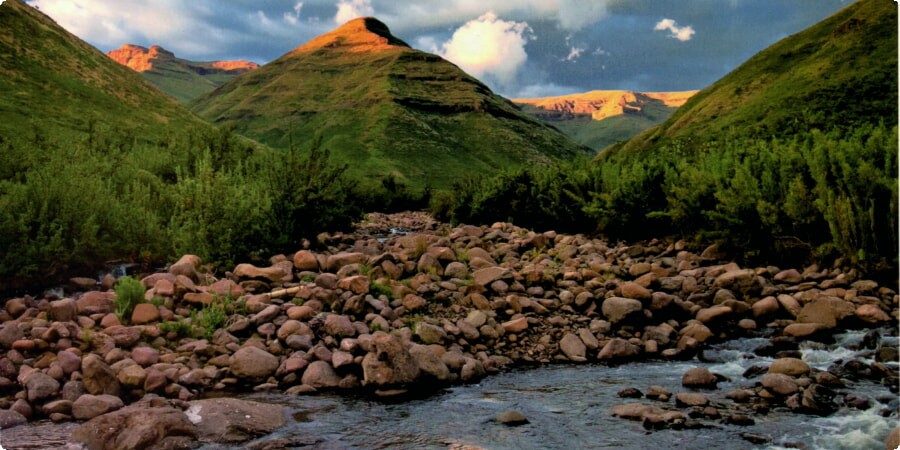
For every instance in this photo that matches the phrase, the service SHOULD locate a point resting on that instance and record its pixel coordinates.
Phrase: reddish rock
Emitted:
(144, 313)
(305, 260)
(872, 314)
(320, 375)
(63, 310)
(516, 325)
(89, 406)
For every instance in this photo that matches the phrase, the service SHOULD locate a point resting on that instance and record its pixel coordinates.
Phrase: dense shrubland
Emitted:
(818, 194)
(67, 207)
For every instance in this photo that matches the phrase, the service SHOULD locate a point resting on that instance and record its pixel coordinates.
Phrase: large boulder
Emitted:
(618, 349)
(63, 310)
(89, 406)
(99, 378)
(320, 375)
(334, 262)
(781, 384)
(826, 310)
(488, 275)
(789, 366)
(617, 309)
(572, 346)
(429, 363)
(40, 386)
(305, 260)
(137, 427)
(390, 364)
(744, 281)
(253, 363)
(231, 420)
(699, 377)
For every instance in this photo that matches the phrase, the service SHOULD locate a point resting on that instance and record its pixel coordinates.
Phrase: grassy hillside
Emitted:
(386, 110)
(841, 73)
(99, 165)
(56, 85)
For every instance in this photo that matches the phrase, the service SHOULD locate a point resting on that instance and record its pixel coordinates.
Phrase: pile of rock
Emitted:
(408, 312)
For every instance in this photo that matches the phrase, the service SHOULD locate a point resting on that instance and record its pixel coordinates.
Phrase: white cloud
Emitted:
(683, 34)
(293, 17)
(351, 9)
(576, 14)
(488, 46)
(574, 54)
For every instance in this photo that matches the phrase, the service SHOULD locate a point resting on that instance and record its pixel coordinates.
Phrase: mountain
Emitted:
(185, 80)
(55, 84)
(839, 73)
(599, 119)
(387, 110)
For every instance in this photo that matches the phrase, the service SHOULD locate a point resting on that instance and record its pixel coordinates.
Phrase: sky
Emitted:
(520, 48)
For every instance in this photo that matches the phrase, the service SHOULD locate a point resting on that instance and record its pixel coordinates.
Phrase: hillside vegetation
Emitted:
(802, 163)
(388, 111)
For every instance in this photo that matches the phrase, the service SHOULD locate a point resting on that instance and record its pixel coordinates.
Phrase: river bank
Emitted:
(405, 304)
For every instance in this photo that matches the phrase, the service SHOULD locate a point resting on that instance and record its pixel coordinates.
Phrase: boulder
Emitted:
(231, 420)
(40, 386)
(334, 262)
(253, 363)
(456, 270)
(145, 356)
(765, 307)
(358, 284)
(690, 399)
(305, 260)
(780, 384)
(429, 363)
(803, 329)
(9, 333)
(186, 266)
(618, 349)
(572, 346)
(390, 364)
(713, 314)
(137, 427)
(99, 378)
(272, 273)
(320, 375)
(742, 281)
(617, 309)
(339, 326)
(9, 419)
(819, 400)
(63, 310)
(790, 304)
(631, 289)
(487, 275)
(826, 310)
(132, 376)
(430, 334)
(872, 314)
(699, 377)
(789, 366)
(144, 313)
(89, 406)
(95, 302)
(511, 418)
(893, 440)
(516, 325)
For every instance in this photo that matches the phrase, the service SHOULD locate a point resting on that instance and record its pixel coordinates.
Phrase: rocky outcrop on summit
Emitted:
(601, 105)
(142, 59)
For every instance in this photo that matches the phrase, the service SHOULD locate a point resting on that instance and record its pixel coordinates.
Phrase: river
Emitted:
(567, 406)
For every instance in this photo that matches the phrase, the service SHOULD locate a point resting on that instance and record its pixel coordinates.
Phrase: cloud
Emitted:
(293, 18)
(488, 46)
(574, 54)
(576, 14)
(683, 34)
(351, 9)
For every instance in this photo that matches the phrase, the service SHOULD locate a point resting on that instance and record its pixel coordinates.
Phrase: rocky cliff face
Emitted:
(142, 59)
(601, 105)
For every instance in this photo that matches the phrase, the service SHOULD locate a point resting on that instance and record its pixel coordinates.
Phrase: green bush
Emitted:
(129, 292)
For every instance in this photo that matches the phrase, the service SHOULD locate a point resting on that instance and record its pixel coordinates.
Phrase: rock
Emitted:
(476, 318)
(590, 341)
(68, 361)
(89, 406)
(144, 313)
(780, 384)
(456, 270)
(63, 310)
(413, 302)
(9, 333)
(516, 325)
(186, 266)
(789, 366)
(819, 400)
(429, 363)
(137, 427)
(699, 377)
(358, 284)
(689, 399)
(253, 363)
(765, 307)
(828, 311)
(305, 260)
(790, 304)
(40, 386)
(132, 376)
(145, 356)
(744, 281)
(871, 314)
(9, 419)
(790, 276)
(617, 309)
(803, 329)
(95, 302)
(225, 288)
(617, 349)
(430, 334)
(99, 378)
(320, 375)
(272, 273)
(893, 440)
(339, 326)
(697, 331)
(630, 392)
(486, 276)
(572, 346)
(334, 262)
(632, 290)
(658, 393)
(231, 420)
(511, 418)
(390, 364)
(714, 313)
(472, 370)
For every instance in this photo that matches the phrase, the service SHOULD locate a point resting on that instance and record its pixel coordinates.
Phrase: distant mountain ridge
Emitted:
(599, 119)
(183, 79)
(387, 110)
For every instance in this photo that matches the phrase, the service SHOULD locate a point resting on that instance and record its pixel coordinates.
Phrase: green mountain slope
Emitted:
(55, 84)
(385, 109)
(183, 79)
(839, 73)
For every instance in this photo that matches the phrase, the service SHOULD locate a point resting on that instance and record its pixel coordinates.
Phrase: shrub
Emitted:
(129, 292)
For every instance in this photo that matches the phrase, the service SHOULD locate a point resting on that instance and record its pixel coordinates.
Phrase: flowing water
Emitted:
(567, 406)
